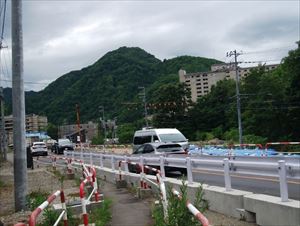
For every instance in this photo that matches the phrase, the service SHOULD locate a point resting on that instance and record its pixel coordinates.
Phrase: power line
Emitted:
(38, 83)
(283, 48)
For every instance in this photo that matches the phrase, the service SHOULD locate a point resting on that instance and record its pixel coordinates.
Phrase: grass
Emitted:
(2, 184)
(178, 213)
(101, 216)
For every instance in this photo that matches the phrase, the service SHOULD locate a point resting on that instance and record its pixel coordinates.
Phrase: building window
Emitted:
(205, 83)
(198, 80)
(187, 81)
(198, 84)
(198, 88)
(205, 79)
(205, 87)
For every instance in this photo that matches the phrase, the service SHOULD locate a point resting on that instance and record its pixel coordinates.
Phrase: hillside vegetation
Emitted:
(270, 104)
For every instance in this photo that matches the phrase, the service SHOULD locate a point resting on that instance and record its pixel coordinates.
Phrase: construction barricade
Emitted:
(35, 214)
(198, 215)
(89, 177)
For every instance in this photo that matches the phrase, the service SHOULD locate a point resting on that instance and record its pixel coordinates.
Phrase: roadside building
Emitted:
(87, 131)
(34, 124)
(200, 83)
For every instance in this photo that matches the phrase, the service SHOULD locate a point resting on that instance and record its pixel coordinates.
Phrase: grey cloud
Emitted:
(60, 36)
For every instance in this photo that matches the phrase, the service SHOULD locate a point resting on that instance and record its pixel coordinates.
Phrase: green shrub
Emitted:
(36, 198)
(101, 216)
(178, 214)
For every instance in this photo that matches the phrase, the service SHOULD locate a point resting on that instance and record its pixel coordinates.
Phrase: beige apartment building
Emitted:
(200, 83)
(34, 123)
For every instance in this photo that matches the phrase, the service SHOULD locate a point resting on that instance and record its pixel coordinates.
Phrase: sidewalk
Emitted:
(127, 210)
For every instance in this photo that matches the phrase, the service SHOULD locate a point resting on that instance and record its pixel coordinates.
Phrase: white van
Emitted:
(159, 135)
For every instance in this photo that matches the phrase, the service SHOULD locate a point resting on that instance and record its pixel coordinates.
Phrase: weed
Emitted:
(178, 214)
(101, 216)
(2, 184)
(34, 199)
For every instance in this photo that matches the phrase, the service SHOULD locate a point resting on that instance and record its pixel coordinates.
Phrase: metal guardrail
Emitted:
(280, 167)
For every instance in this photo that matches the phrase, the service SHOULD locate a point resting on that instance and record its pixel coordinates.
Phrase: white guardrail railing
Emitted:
(283, 168)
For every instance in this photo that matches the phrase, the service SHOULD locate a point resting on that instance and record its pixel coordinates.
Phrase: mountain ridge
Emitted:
(110, 81)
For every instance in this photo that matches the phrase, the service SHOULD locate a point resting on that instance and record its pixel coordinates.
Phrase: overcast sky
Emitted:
(61, 36)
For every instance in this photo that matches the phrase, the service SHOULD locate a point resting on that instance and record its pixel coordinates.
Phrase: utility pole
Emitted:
(143, 96)
(3, 139)
(3, 133)
(238, 97)
(101, 109)
(18, 96)
(78, 125)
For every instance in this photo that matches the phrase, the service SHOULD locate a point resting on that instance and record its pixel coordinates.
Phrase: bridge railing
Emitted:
(280, 167)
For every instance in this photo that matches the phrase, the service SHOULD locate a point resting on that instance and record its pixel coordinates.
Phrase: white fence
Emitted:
(280, 167)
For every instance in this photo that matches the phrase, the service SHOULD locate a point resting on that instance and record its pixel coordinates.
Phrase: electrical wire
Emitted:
(283, 48)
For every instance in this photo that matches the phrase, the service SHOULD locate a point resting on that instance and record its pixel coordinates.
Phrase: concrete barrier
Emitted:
(264, 209)
(269, 210)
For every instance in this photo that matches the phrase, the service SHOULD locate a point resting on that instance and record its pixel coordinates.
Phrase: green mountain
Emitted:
(111, 82)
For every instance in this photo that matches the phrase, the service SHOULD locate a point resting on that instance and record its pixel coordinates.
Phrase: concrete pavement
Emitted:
(127, 210)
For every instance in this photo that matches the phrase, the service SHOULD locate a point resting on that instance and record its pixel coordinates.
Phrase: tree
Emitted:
(52, 131)
(171, 102)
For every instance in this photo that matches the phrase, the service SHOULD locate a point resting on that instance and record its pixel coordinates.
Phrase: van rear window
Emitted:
(142, 140)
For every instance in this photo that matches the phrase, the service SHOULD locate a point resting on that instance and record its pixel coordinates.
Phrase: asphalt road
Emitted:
(260, 185)
(255, 184)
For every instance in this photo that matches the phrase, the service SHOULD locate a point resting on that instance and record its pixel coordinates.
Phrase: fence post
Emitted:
(112, 163)
(101, 160)
(282, 180)
(227, 174)
(142, 173)
(162, 167)
(189, 170)
(91, 158)
(126, 165)
(81, 156)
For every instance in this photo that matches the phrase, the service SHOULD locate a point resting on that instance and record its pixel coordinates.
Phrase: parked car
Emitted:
(39, 149)
(62, 145)
(159, 148)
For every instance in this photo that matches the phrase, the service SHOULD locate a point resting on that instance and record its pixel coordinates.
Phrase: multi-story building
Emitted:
(87, 131)
(33, 123)
(200, 83)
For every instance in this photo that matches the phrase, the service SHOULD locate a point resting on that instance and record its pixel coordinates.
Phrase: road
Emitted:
(255, 184)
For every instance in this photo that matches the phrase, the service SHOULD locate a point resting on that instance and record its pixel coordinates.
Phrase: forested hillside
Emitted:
(111, 82)
(270, 101)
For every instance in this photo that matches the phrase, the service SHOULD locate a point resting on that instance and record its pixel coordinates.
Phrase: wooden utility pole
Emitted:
(18, 96)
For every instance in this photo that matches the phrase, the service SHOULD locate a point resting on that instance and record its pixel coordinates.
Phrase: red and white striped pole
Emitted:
(83, 201)
(95, 185)
(64, 207)
(69, 165)
(198, 215)
(40, 208)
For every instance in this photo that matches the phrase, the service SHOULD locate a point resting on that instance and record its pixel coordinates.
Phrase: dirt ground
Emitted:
(39, 179)
(42, 179)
